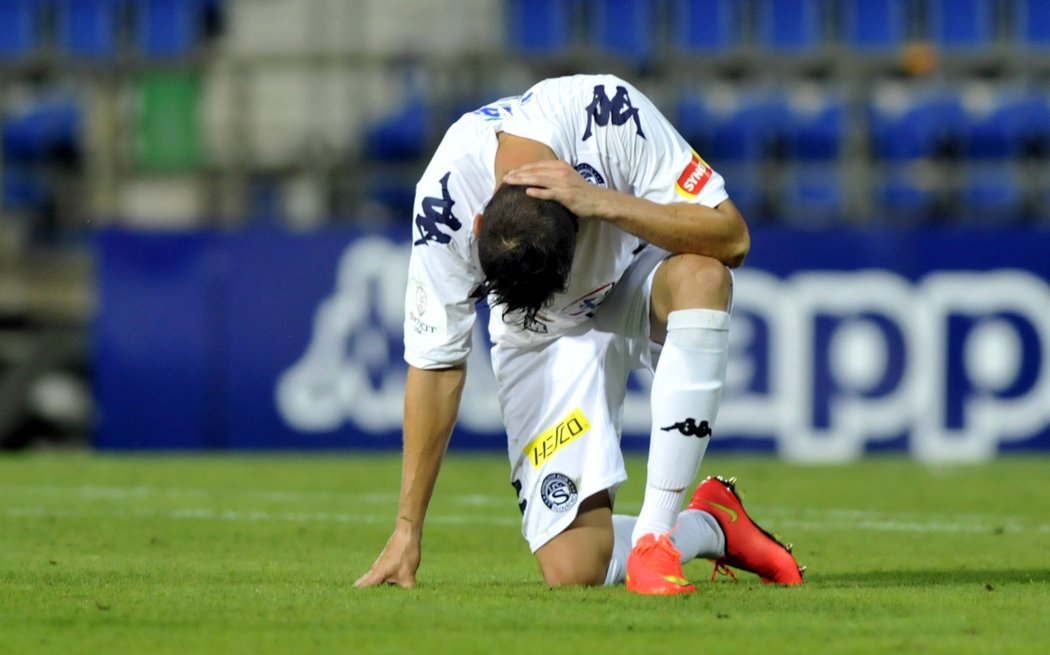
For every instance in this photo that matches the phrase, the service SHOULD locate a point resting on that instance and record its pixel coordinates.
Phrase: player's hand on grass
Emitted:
(557, 180)
(397, 564)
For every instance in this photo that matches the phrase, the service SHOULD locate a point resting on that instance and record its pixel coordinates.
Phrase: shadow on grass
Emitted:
(933, 578)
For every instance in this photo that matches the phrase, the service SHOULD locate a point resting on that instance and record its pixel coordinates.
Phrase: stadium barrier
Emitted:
(933, 343)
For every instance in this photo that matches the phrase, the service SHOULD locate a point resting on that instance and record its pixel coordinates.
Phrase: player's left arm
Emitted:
(718, 232)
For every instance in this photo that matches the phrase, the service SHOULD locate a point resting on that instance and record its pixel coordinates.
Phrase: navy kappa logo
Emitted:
(618, 110)
(689, 428)
(558, 492)
(591, 174)
(436, 211)
(522, 504)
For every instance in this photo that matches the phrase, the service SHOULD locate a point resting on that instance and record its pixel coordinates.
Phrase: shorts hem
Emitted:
(540, 540)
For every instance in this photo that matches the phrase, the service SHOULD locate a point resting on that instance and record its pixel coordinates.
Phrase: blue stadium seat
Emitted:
(1032, 21)
(402, 136)
(24, 188)
(992, 195)
(745, 184)
(790, 26)
(265, 202)
(816, 126)
(1041, 204)
(957, 25)
(19, 36)
(167, 29)
(905, 196)
(916, 125)
(874, 25)
(395, 196)
(539, 27)
(624, 28)
(738, 127)
(88, 28)
(706, 26)
(47, 131)
(812, 196)
(1011, 126)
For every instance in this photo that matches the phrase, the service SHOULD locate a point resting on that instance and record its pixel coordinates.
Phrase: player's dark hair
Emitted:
(526, 246)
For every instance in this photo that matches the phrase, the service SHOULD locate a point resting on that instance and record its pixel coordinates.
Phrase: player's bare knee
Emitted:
(577, 572)
(696, 281)
(581, 554)
(576, 564)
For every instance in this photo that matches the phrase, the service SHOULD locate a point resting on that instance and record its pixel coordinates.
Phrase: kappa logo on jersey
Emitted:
(591, 174)
(618, 110)
(693, 179)
(553, 439)
(589, 302)
(558, 492)
(436, 211)
(500, 109)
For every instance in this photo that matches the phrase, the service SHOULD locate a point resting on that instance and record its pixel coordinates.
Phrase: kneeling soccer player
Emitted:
(602, 243)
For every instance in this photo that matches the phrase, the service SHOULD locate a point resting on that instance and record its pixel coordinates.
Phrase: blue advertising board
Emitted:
(934, 343)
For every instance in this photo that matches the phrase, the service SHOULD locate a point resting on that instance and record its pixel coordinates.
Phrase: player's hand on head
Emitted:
(557, 180)
(396, 565)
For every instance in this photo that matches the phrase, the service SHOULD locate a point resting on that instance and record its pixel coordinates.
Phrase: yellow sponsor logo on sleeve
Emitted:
(556, 437)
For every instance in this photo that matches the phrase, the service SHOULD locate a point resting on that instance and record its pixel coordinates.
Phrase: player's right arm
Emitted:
(431, 405)
(439, 321)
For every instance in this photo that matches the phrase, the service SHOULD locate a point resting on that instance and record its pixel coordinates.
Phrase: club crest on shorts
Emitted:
(558, 492)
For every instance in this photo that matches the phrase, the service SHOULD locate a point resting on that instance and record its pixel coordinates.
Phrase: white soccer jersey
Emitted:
(611, 134)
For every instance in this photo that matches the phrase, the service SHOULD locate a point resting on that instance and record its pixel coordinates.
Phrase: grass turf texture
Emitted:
(230, 554)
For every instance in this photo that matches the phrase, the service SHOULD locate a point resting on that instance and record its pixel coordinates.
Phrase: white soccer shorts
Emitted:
(562, 405)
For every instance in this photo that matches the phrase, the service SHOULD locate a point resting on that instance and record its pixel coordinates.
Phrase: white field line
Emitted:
(9, 493)
(248, 516)
(473, 504)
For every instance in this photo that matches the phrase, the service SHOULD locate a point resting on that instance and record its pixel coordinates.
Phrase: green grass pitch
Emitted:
(257, 554)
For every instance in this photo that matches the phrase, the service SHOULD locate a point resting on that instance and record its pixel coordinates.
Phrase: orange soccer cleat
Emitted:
(655, 567)
(748, 546)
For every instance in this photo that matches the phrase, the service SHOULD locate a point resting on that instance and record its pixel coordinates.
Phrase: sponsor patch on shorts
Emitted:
(693, 179)
(558, 492)
(556, 437)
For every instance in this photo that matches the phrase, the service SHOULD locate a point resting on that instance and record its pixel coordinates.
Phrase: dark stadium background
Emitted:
(186, 182)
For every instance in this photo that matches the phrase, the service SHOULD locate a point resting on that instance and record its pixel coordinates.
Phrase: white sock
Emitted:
(622, 527)
(687, 387)
(697, 534)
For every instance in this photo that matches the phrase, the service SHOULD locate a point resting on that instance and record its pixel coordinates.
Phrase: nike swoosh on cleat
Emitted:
(731, 512)
(682, 582)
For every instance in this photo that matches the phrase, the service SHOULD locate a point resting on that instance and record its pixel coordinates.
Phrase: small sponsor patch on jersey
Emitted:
(556, 437)
(591, 174)
(558, 492)
(693, 179)
(423, 316)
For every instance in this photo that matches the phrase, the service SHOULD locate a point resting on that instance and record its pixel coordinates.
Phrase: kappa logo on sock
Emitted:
(689, 428)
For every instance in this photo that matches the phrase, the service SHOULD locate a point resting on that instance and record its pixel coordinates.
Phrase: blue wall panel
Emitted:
(156, 358)
(844, 342)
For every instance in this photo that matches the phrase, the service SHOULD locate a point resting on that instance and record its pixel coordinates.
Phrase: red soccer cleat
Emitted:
(748, 546)
(655, 567)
